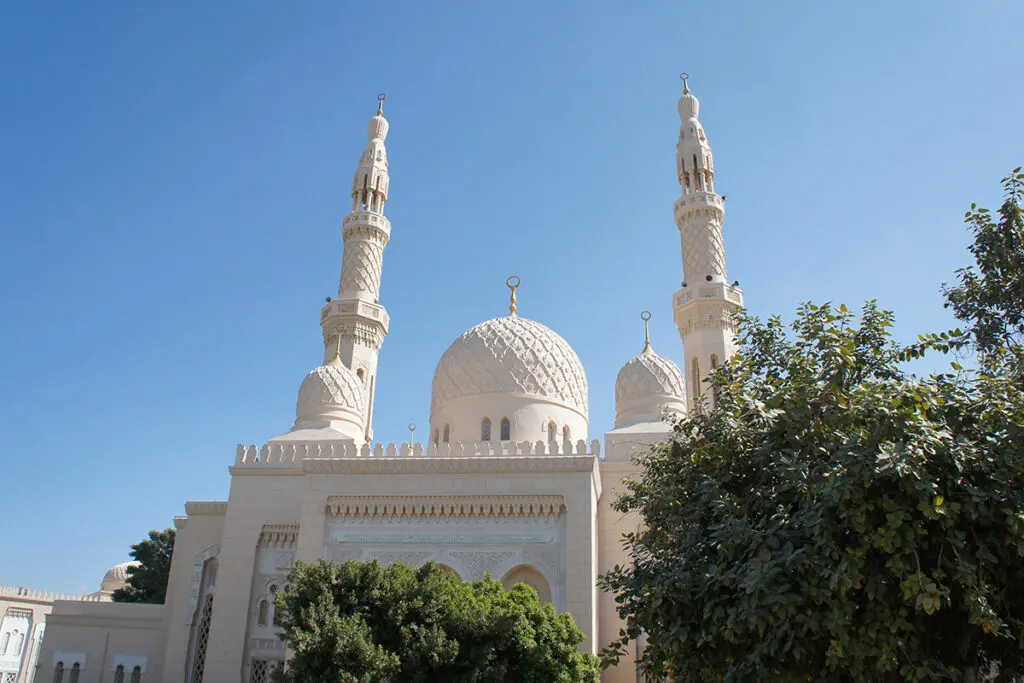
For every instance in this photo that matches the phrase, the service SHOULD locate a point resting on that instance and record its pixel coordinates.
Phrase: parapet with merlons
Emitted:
(293, 454)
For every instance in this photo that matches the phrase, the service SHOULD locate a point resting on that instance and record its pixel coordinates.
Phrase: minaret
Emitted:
(706, 305)
(356, 316)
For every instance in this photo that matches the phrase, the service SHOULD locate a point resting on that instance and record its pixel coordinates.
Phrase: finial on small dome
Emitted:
(684, 77)
(512, 283)
(337, 352)
(645, 316)
(380, 103)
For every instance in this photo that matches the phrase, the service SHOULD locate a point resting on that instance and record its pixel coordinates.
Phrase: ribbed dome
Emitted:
(689, 107)
(329, 393)
(511, 356)
(647, 385)
(378, 128)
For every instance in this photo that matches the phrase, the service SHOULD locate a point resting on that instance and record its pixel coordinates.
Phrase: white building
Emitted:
(512, 481)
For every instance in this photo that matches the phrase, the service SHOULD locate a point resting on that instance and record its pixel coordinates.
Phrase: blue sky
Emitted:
(173, 178)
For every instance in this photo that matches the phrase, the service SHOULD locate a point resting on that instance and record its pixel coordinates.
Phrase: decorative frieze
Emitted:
(445, 506)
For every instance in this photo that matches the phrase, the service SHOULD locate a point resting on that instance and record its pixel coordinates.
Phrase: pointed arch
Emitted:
(506, 429)
(529, 575)
(485, 429)
(447, 433)
(552, 431)
(4, 643)
(262, 612)
(566, 433)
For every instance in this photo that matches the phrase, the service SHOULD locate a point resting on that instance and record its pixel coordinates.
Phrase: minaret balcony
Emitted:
(695, 201)
(365, 219)
(710, 292)
(356, 308)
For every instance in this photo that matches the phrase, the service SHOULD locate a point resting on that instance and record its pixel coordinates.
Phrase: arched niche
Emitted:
(524, 573)
(451, 572)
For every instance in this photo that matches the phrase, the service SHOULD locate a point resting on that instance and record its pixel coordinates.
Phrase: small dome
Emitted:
(647, 386)
(511, 356)
(331, 396)
(116, 577)
(378, 128)
(689, 107)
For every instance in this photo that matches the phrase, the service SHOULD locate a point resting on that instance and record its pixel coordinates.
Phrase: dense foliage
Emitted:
(147, 581)
(989, 296)
(832, 518)
(361, 622)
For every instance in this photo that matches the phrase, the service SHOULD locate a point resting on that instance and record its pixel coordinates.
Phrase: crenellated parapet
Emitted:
(290, 454)
(48, 596)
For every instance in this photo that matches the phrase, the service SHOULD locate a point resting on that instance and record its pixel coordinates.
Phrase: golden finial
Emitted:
(380, 103)
(337, 352)
(645, 316)
(512, 283)
(684, 77)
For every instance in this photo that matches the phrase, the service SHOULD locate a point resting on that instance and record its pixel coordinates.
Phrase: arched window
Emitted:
(4, 643)
(695, 378)
(551, 431)
(447, 433)
(261, 616)
(714, 362)
(566, 433)
(19, 643)
(361, 374)
(58, 672)
(485, 429)
(436, 435)
(506, 429)
(119, 674)
(76, 671)
(136, 675)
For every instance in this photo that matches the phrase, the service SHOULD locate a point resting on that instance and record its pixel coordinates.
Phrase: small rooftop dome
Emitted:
(648, 386)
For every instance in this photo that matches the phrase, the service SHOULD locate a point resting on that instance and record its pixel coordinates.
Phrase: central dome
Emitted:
(511, 355)
(513, 370)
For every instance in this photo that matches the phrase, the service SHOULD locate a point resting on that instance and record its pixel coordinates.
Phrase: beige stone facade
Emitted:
(509, 482)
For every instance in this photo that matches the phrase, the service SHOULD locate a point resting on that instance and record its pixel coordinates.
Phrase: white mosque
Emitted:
(512, 481)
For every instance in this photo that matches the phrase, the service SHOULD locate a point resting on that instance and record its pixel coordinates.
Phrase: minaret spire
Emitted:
(706, 306)
(354, 324)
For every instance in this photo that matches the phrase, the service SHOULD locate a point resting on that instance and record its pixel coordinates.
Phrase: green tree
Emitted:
(832, 518)
(989, 295)
(361, 622)
(147, 580)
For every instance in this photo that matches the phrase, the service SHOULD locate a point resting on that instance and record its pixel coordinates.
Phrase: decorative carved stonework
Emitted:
(445, 506)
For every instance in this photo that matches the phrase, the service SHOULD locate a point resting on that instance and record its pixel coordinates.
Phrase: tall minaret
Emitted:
(705, 306)
(356, 314)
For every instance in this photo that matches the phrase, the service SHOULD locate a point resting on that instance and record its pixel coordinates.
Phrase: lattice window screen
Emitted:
(137, 675)
(76, 671)
(119, 674)
(202, 641)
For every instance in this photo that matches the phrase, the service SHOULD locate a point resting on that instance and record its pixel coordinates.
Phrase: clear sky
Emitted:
(173, 178)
